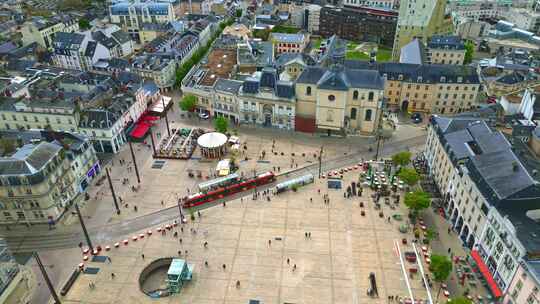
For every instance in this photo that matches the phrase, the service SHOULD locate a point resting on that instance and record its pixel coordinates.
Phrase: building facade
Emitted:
(49, 176)
(358, 24)
(418, 19)
(42, 31)
(338, 99)
(131, 16)
(525, 285)
(443, 89)
(487, 195)
(445, 50)
(289, 43)
(385, 4)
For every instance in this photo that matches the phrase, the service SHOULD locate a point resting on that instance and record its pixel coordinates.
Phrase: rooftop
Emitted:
(219, 65)
(288, 38)
(29, 159)
(446, 43)
(341, 79)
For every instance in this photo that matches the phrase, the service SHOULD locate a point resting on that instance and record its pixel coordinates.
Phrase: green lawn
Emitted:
(383, 55)
(316, 43)
(351, 46)
(356, 55)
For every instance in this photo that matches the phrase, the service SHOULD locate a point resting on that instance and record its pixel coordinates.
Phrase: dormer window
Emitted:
(443, 79)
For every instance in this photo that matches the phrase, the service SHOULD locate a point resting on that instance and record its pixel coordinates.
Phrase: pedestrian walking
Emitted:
(109, 259)
(269, 242)
(142, 256)
(199, 213)
(205, 244)
(224, 266)
(294, 267)
(112, 275)
(309, 234)
(206, 263)
(180, 240)
(288, 261)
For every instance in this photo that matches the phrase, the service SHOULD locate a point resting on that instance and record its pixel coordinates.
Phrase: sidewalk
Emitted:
(441, 246)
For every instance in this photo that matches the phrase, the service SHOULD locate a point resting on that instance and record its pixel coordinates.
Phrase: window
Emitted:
(353, 113)
(308, 91)
(368, 115)
(331, 97)
(330, 115)
(355, 95)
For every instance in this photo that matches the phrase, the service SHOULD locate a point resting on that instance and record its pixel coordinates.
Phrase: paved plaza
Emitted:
(332, 266)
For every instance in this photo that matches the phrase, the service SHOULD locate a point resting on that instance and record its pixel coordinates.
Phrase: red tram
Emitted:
(200, 198)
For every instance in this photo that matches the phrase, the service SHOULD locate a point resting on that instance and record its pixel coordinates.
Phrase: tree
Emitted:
(261, 34)
(188, 103)
(409, 176)
(238, 13)
(469, 52)
(285, 29)
(84, 24)
(440, 267)
(221, 124)
(402, 158)
(460, 300)
(7, 146)
(417, 201)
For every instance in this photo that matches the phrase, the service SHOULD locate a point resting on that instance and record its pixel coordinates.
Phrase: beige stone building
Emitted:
(445, 50)
(338, 99)
(445, 89)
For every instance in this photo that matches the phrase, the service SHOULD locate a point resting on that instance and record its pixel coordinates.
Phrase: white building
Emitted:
(385, 4)
(44, 176)
(487, 193)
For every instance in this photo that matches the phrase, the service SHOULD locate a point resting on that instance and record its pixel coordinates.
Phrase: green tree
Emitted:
(238, 13)
(401, 158)
(7, 145)
(409, 176)
(221, 124)
(469, 52)
(261, 34)
(460, 300)
(188, 103)
(417, 201)
(440, 267)
(84, 24)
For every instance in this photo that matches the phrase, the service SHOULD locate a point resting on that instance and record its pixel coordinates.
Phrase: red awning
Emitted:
(140, 130)
(487, 275)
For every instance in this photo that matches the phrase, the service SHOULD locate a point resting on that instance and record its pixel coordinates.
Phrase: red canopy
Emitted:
(142, 126)
(487, 275)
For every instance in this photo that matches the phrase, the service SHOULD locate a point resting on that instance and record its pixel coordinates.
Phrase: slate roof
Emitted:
(512, 78)
(420, 73)
(341, 79)
(287, 38)
(413, 52)
(446, 42)
(29, 159)
(64, 40)
(90, 49)
(228, 86)
(487, 155)
(121, 36)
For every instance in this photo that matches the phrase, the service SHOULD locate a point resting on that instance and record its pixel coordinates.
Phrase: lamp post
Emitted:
(153, 143)
(134, 162)
(88, 242)
(46, 277)
(112, 191)
(166, 118)
(379, 130)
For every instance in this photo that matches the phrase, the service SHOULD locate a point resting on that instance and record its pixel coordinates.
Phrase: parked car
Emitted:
(204, 115)
(416, 118)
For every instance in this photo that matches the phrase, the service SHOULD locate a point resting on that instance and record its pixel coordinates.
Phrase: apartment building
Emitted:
(131, 16)
(436, 88)
(418, 19)
(16, 281)
(289, 43)
(525, 285)
(80, 51)
(359, 24)
(487, 194)
(99, 106)
(42, 30)
(160, 67)
(384, 4)
(445, 50)
(41, 178)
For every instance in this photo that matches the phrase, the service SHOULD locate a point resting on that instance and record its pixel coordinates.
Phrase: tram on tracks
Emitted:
(201, 198)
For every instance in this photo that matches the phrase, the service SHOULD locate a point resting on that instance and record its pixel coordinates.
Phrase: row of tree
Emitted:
(182, 71)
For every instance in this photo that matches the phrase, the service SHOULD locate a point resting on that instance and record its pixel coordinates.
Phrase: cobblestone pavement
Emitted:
(332, 266)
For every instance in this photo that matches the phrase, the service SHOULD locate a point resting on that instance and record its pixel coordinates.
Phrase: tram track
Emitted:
(70, 237)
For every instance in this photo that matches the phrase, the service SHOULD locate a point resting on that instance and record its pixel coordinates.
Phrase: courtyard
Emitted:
(333, 265)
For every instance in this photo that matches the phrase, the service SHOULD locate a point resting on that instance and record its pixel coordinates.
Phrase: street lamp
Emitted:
(166, 118)
(134, 162)
(88, 242)
(112, 191)
(379, 128)
(46, 277)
